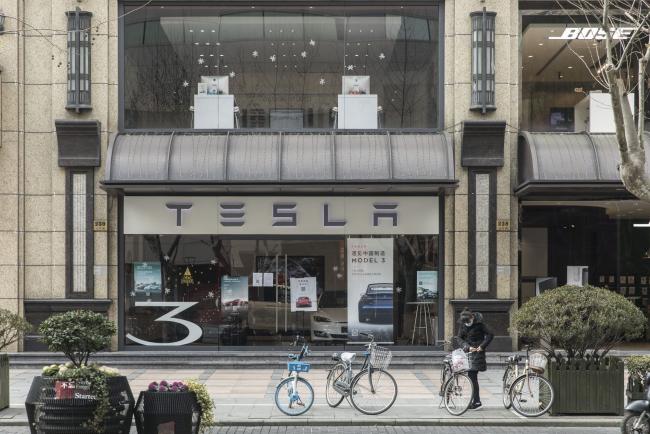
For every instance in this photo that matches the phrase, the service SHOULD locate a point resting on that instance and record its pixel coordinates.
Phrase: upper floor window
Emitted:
(78, 60)
(287, 68)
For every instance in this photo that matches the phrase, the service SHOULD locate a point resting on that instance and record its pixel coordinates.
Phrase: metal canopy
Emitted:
(569, 165)
(272, 161)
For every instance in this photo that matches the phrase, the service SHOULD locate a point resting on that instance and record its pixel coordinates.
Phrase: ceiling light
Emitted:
(202, 30)
(541, 44)
(530, 56)
(191, 31)
(570, 67)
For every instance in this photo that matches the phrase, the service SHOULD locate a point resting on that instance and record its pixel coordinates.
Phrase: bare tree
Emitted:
(623, 26)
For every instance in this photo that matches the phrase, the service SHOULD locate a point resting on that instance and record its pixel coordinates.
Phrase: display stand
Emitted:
(357, 112)
(214, 111)
(423, 321)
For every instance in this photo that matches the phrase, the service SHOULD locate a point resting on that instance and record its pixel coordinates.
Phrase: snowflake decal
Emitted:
(382, 56)
(186, 83)
(211, 294)
(273, 58)
(255, 53)
(312, 42)
(322, 83)
(232, 74)
(303, 54)
(132, 293)
(201, 60)
(350, 67)
(213, 261)
(166, 258)
(168, 290)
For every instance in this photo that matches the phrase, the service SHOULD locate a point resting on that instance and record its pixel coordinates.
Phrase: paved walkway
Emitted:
(246, 397)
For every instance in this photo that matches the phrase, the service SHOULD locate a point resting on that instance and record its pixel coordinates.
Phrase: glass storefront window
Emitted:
(283, 68)
(230, 291)
(561, 74)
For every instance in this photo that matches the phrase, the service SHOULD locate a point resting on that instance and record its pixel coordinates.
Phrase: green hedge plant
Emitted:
(638, 367)
(579, 321)
(12, 328)
(78, 334)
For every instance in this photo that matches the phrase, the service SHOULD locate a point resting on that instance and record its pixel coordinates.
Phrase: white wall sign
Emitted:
(594, 33)
(281, 215)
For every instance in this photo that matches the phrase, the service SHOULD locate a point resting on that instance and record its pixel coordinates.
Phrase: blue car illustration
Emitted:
(376, 305)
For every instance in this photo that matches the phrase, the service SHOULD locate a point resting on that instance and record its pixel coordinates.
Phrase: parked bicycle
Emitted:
(456, 388)
(372, 390)
(527, 392)
(637, 413)
(294, 395)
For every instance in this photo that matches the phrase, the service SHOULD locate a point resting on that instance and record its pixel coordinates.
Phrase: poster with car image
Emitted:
(370, 289)
(303, 294)
(427, 286)
(147, 278)
(234, 293)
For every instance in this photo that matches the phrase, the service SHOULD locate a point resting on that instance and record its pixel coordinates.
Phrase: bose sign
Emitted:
(594, 33)
(270, 215)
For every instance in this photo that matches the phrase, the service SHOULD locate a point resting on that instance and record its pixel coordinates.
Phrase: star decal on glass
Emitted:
(273, 58)
(232, 74)
(168, 290)
(201, 60)
(312, 42)
(211, 294)
(255, 53)
(186, 83)
(350, 67)
(382, 56)
(303, 54)
(321, 81)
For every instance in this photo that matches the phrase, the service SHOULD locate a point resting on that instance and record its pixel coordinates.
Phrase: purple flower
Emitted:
(164, 383)
(162, 388)
(153, 386)
(174, 388)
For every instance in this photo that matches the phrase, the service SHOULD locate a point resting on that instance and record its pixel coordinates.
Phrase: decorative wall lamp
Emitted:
(483, 31)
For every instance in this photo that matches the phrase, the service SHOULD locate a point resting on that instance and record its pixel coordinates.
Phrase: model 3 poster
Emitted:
(147, 278)
(303, 294)
(370, 288)
(427, 287)
(234, 293)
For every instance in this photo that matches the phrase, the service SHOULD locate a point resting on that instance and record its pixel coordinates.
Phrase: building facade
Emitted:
(228, 174)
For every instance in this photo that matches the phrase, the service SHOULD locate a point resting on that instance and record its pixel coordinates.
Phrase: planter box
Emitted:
(32, 401)
(634, 390)
(167, 413)
(57, 411)
(586, 386)
(4, 381)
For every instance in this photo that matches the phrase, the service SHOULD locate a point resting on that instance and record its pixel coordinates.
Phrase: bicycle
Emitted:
(456, 388)
(529, 393)
(372, 390)
(294, 395)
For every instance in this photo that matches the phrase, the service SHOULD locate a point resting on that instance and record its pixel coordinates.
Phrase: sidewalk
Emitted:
(245, 397)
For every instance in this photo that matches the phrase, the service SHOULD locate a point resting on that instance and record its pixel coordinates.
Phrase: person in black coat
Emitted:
(474, 337)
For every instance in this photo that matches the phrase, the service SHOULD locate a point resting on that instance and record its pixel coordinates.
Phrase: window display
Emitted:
(281, 66)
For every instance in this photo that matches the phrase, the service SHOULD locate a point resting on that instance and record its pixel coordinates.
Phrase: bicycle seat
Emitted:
(348, 357)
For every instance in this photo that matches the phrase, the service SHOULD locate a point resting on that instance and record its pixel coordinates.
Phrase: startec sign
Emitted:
(283, 215)
(594, 33)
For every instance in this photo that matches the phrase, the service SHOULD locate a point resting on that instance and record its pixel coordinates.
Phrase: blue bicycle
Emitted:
(294, 395)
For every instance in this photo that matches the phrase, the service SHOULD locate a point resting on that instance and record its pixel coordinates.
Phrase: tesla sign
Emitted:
(594, 33)
(270, 215)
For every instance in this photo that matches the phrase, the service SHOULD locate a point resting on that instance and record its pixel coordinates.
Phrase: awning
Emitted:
(272, 161)
(573, 165)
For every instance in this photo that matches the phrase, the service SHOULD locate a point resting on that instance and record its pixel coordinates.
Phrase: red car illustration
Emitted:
(303, 302)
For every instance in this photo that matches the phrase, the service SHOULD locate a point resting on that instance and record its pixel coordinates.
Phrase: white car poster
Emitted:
(303, 294)
(370, 289)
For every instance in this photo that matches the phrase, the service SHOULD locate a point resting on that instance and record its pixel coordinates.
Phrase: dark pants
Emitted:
(473, 375)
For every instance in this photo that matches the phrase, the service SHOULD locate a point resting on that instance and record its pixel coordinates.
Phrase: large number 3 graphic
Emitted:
(195, 331)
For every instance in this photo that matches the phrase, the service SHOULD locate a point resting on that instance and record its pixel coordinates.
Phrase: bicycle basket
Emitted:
(298, 366)
(459, 361)
(537, 361)
(380, 357)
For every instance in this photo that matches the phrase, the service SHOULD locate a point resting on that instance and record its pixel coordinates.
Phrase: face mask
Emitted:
(469, 323)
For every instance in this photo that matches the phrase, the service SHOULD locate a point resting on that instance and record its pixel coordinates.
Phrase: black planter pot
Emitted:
(32, 400)
(54, 415)
(176, 412)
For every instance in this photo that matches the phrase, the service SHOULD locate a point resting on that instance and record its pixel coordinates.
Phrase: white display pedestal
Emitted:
(214, 111)
(357, 112)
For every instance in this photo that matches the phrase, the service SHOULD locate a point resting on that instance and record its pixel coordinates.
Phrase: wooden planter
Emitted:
(4, 381)
(634, 390)
(70, 411)
(586, 386)
(167, 412)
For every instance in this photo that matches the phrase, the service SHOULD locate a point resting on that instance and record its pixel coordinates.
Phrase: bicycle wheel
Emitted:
(333, 396)
(373, 392)
(531, 395)
(294, 402)
(445, 373)
(629, 422)
(457, 393)
(508, 378)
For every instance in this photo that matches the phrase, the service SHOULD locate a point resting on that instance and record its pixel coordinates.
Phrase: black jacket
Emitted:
(475, 335)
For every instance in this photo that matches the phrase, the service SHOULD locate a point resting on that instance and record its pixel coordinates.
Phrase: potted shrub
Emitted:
(12, 327)
(638, 367)
(174, 407)
(76, 396)
(577, 327)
